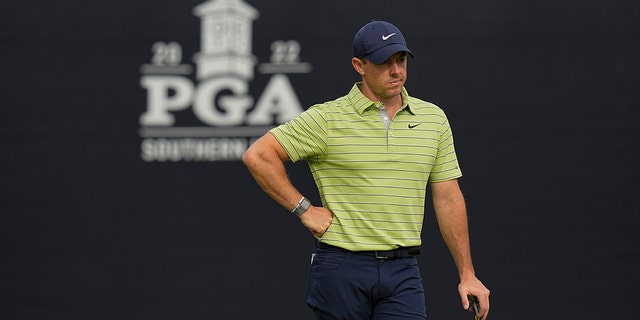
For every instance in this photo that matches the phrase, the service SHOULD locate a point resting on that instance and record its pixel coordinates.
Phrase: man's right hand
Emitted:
(317, 220)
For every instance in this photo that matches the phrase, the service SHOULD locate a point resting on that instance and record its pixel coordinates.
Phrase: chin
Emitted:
(396, 90)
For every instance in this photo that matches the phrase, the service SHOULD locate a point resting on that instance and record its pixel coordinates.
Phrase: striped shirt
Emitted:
(370, 171)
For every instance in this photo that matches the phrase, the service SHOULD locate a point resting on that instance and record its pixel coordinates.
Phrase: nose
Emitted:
(394, 67)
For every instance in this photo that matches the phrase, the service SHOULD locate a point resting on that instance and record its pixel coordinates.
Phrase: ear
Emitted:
(358, 65)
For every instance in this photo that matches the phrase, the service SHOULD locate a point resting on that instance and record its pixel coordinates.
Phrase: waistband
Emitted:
(401, 252)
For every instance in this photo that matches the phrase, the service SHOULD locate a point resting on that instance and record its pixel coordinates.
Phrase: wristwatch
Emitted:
(302, 207)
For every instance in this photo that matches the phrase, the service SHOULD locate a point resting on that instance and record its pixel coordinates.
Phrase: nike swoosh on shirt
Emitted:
(411, 126)
(385, 38)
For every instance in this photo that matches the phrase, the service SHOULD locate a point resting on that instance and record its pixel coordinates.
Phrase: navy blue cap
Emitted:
(377, 41)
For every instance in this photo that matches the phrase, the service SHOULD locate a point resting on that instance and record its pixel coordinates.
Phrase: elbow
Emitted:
(249, 157)
(255, 155)
(261, 152)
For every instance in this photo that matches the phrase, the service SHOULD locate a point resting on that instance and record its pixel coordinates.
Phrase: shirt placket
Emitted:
(386, 120)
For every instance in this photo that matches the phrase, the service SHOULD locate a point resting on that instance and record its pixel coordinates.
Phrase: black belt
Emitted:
(401, 252)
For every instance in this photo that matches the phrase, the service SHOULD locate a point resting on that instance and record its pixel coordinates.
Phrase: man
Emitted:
(371, 153)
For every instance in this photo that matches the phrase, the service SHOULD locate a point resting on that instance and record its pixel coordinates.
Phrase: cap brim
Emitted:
(381, 55)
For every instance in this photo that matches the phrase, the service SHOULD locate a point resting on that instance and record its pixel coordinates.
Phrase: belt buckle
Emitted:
(381, 257)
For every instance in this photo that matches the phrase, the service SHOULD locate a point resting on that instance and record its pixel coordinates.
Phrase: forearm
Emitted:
(265, 160)
(451, 215)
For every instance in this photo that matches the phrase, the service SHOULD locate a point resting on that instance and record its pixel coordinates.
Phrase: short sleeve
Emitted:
(446, 165)
(304, 136)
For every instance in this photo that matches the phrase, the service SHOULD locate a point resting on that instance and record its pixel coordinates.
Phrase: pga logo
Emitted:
(167, 94)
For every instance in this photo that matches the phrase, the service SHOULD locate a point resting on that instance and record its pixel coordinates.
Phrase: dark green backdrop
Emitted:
(542, 96)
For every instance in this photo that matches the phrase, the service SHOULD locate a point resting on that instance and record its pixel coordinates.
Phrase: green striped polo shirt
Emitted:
(372, 177)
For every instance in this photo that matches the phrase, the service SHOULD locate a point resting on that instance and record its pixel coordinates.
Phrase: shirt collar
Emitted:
(361, 103)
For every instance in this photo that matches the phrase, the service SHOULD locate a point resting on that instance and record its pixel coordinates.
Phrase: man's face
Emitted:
(386, 80)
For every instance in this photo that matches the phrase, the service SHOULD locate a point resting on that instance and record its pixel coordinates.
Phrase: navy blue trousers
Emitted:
(348, 286)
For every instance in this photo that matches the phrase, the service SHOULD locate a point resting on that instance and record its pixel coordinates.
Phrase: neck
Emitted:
(393, 108)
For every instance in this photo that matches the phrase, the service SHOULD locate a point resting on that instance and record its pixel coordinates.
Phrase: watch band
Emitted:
(301, 207)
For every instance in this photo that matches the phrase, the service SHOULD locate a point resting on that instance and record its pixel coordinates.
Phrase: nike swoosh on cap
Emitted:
(385, 38)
